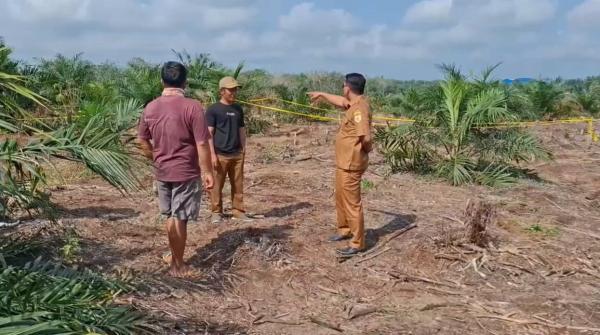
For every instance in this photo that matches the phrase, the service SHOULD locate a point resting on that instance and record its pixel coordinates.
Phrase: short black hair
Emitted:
(356, 82)
(173, 74)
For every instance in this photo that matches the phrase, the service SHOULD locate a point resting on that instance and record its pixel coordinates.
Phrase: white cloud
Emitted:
(307, 35)
(475, 28)
(481, 13)
(511, 13)
(429, 12)
(226, 18)
(305, 18)
(135, 14)
(33, 10)
(585, 15)
(235, 41)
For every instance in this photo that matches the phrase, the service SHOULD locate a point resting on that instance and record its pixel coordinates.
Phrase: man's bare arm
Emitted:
(243, 138)
(146, 147)
(336, 100)
(213, 153)
(204, 159)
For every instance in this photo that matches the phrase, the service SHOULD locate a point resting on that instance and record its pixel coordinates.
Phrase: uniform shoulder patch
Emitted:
(357, 116)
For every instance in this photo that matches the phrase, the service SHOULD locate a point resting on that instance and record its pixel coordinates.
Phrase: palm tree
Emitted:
(204, 75)
(454, 139)
(587, 98)
(141, 81)
(62, 81)
(95, 141)
(43, 297)
(545, 98)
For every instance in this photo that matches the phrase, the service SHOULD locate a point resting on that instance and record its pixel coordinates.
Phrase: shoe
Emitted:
(242, 217)
(216, 218)
(349, 251)
(337, 238)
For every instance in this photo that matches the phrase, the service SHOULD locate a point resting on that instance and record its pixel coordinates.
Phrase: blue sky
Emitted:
(396, 39)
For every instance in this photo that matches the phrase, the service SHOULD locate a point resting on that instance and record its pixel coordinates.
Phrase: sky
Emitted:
(401, 39)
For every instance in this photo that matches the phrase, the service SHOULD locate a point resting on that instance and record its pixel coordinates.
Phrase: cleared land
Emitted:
(278, 275)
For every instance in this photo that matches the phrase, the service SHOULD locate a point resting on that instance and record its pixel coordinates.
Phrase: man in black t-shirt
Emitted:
(228, 142)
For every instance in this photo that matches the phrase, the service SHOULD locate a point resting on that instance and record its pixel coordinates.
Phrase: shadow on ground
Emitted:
(285, 211)
(184, 327)
(104, 255)
(103, 212)
(216, 258)
(398, 221)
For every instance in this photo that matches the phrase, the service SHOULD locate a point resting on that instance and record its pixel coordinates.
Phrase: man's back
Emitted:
(175, 125)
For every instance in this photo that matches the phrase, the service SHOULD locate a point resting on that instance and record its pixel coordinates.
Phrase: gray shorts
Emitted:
(180, 200)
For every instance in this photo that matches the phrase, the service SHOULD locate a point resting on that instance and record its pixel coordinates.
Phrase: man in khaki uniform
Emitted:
(352, 146)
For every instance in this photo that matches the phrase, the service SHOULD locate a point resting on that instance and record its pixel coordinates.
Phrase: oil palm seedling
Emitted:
(455, 139)
(95, 141)
(42, 297)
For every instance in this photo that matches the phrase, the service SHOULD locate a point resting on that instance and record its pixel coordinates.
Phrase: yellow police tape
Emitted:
(280, 110)
(383, 118)
(589, 121)
(254, 102)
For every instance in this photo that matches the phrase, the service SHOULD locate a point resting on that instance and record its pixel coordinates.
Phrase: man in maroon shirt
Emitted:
(173, 133)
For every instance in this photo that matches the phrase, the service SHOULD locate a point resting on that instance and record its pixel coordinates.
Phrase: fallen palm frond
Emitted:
(47, 298)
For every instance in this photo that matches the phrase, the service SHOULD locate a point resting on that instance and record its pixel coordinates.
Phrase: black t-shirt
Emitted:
(227, 121)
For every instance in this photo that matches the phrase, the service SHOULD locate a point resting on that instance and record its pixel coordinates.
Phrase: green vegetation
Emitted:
(71, 248)
(367, 185)
(68, 108)
(86, 112)
(539, 229)
(452, 140)
(43, 297)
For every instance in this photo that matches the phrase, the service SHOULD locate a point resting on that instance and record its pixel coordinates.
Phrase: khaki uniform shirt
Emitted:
(348, 147)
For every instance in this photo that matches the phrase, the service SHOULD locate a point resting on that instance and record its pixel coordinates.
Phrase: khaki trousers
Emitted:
(232, 167)
(348, 204)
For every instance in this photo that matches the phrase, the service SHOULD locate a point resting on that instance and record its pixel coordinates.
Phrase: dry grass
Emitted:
(279, 275)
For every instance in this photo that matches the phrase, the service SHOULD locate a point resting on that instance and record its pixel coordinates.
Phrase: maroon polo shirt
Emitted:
(175, 125)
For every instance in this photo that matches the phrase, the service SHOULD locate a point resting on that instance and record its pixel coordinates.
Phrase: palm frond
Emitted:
(451, 71)
(14, 83)
(454, 92)
(495, 176)
(402, 149)
(238, 69)
(487, 107)
(486, 74)
(458, 169)
(96, 146)
(32, 324)
(42, 296)
(510, 145)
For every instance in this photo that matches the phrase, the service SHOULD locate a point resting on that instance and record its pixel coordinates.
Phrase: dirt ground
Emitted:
(278, 275)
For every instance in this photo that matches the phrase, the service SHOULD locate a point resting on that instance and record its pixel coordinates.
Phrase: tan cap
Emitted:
(228, 82)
